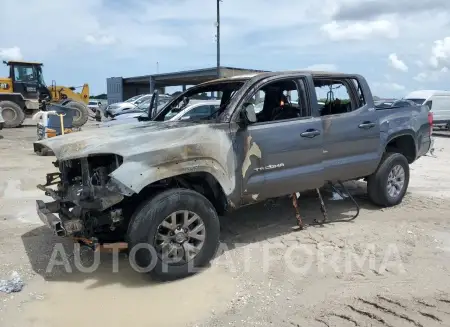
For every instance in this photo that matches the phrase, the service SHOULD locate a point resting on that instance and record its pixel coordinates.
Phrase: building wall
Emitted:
(114, 89)
(130, 90)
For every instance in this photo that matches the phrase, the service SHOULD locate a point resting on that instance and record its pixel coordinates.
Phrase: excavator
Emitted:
(22, 93)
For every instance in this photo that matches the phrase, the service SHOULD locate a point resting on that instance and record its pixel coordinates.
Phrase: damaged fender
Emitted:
(131, 177)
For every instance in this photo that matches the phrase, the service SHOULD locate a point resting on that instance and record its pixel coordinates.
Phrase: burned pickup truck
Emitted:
(164, 184)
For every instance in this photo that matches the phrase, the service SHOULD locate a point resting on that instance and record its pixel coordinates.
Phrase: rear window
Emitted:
(417, 101)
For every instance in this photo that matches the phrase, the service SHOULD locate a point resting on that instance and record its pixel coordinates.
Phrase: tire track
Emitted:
(392, 312)
(383, 298)
(344, 317)
(370, 315)
(430, 315)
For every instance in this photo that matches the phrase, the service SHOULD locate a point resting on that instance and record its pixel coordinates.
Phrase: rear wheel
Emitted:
(388, 185)
(173, 234)
(81, 115)
(12, 114)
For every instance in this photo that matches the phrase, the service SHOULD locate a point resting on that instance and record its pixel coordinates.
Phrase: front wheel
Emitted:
(173, 234)
(388, 185)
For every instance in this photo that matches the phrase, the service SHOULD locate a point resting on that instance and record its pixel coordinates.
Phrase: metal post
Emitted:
(218, 38)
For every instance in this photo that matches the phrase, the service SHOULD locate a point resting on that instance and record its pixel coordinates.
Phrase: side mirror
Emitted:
(249, 112)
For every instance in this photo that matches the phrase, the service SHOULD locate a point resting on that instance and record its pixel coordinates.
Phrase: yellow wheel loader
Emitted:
(23, 91)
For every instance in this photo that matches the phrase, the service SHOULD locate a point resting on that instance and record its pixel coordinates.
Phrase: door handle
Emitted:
(310, 133)
(366, 125)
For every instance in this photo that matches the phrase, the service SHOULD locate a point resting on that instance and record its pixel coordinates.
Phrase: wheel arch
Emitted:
(17, 98)
(198, 175)
(403, 142)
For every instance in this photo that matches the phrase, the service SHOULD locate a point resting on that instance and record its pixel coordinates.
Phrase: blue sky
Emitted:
(398, 46)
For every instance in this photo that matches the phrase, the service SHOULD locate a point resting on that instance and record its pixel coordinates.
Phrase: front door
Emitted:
(284, 145)
(292, 155)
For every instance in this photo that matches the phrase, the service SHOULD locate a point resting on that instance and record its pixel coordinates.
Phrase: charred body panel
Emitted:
(84, 196)
(91, 187)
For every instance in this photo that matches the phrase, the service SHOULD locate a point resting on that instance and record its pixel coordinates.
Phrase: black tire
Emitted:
(377, 182)
(144, 224)
(15, 110)
(82, 113)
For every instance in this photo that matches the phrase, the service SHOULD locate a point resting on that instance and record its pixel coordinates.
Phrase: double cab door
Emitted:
(304, 152)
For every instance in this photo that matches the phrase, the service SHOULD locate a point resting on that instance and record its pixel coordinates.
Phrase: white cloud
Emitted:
(13, 53)
(360, 30)
(419, 63)
(440, 52)
(397, 63)
(100, 40)
(322, 67)
(432, 75)
(387, 86)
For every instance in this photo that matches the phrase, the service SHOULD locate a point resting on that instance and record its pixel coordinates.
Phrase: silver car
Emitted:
(117, 108)
(197, 109)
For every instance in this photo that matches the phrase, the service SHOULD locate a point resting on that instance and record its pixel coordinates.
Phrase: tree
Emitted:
(102, 96)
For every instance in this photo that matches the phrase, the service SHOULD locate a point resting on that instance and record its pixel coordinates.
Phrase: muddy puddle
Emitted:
(128, 298)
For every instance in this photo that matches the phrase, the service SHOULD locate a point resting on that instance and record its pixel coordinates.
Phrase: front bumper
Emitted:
(46, 213)
(58, 224)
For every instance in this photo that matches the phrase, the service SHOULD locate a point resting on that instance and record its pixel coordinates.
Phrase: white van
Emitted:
(438, 101)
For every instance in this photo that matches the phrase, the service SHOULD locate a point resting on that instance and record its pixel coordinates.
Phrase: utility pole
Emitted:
(218, 38)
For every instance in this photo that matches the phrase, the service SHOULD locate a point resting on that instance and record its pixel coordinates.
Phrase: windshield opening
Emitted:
(29, 74)
(224, 91)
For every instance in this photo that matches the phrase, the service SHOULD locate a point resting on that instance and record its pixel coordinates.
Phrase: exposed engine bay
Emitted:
(86, 200)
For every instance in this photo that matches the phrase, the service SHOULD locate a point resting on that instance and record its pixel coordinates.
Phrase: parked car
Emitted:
(117, 108)
(437, 101)
(194, 111)
(2, 121)
(134, 105)
(163, 184)
(94, 105)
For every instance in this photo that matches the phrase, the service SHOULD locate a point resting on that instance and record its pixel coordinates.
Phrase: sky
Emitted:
(398, 45)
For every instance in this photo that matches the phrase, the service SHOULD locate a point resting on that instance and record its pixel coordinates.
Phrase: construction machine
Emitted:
(22, 93)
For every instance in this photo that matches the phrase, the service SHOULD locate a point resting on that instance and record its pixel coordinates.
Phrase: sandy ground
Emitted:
(388, 267)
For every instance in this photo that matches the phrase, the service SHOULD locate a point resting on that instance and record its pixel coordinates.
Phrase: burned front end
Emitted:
(87, 201)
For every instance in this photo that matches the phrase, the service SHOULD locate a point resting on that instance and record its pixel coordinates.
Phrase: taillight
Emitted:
(430, 121)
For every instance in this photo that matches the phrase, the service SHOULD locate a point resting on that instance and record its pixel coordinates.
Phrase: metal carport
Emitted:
(120, 88)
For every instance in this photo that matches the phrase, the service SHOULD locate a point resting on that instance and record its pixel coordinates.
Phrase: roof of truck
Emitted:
(278, 73)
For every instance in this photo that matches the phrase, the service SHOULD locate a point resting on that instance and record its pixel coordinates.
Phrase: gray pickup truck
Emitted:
(160, 186)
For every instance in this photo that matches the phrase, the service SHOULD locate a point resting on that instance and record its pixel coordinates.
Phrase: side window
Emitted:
(279, 100)
(338, 96)
(429, 104)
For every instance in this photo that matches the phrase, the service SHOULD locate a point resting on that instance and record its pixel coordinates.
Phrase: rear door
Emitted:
(351, 132)
(287, 153)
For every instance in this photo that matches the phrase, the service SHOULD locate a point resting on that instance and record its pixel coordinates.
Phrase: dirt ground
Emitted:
(388, 267)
